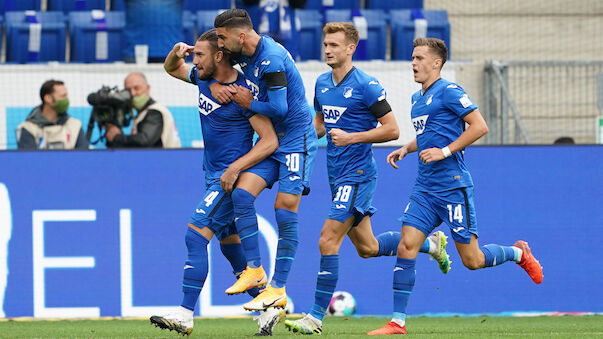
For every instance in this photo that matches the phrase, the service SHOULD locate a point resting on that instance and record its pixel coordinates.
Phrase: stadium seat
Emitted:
(340, 4)
(403, 30)
(118, 5)
(205, 20)
(88, 46)
(376, 20)
(19, 5)
(188, 27)
(388, 5)
(75, 5)
(200, 5)
(310, 33)
(52, 37)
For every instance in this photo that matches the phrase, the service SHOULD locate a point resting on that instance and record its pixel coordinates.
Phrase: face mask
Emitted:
(61, 105)
(139, 101)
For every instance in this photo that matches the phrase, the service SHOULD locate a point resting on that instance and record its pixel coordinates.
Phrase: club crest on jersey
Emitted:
(206, 105)
(347, 92)
(256, 72)
(419, 123)
(332, 114)
(255, 90)
(429, 100)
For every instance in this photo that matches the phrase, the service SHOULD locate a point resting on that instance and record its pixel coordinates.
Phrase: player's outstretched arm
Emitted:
(319, 125)
(477, 128)
(386, 132)
(174, 63)
(266, 145)
(401, 152)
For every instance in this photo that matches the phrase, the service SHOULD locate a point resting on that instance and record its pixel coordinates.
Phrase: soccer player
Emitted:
(443, 190)
(349, 104)
(275, 80)
(228, 136)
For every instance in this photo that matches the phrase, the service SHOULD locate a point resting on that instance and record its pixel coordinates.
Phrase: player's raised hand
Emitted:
(183, 50)
(431, 155)
(396, 155)
(243, 96)
(221, 93)
(340, 137)
(228, 179)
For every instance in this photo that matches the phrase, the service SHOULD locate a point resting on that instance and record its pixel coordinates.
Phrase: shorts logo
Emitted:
(332, 113)
(198, 210)
(206, 105)
(458, 229)
(347, 92)
(419, 123)
(339, 206)
(407, 206)
(295, 177)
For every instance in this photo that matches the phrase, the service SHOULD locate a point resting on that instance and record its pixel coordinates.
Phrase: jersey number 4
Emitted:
(457, 214)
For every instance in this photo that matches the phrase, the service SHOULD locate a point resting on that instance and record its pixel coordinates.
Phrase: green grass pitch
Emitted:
(333, 327)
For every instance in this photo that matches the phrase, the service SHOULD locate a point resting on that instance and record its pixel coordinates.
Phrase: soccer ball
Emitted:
(342, 304)
(289, 308)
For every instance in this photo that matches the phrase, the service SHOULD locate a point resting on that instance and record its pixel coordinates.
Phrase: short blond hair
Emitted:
(348, 29)
(436, 46)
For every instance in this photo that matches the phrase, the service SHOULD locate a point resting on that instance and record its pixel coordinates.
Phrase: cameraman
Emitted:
(48, 126)
(153, 126)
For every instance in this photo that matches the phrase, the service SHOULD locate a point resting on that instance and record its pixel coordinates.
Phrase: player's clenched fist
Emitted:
(340, 137)
(183, 50)
(396, 155)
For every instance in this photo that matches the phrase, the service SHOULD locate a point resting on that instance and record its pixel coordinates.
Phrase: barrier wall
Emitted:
(86, 234)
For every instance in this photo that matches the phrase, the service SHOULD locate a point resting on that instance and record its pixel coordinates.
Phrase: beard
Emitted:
(208, 73)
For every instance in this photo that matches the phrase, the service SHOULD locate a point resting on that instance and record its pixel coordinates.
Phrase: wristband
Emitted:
(446, 152)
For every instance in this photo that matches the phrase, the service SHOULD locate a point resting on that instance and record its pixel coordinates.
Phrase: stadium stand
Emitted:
(18, 5)
(197, 5)
(75, 5)
(205, 20)
(376, 21)
(341, 4)
(92, 32)
(403, 30)
(188, 27)
(35, 36)
(310, 33)
(388, 5)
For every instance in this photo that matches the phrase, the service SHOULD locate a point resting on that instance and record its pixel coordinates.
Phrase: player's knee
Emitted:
(367, 251)
(406, 249)
(242, 197)
(472, 262)
(327, 244)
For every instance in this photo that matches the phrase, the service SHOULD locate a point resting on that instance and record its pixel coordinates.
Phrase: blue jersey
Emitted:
(350, 106)
(437, 116)
(227, 133)
(271, 57)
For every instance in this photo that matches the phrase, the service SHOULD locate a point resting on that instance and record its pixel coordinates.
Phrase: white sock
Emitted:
(518, 253)
(186, 312)
(433, 249)
(400, 322)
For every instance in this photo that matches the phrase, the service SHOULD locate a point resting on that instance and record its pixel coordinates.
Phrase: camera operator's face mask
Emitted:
(61, 105)
(139, 101)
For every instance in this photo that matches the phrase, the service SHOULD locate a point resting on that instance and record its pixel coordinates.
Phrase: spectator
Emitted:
(48, 126)
(564, 141)
(153, 125)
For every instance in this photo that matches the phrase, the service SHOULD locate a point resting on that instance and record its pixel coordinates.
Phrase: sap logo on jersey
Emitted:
(255, 90)
(332, 113)
(419, 123)
(206, 105)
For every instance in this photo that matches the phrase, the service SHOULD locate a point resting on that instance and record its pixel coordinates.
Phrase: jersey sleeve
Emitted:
(317, 107)
(457, 100)
(375, 99)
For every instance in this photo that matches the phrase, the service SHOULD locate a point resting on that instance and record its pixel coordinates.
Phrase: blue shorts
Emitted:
(352, 199)
(267, 169)
(427, 210)
(295, 169)
(215, 211)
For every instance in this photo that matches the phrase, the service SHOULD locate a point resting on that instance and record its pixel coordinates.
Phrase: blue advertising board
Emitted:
(101, 233)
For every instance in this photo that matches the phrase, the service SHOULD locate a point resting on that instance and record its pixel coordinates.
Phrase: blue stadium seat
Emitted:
(205, 20)
(310, 33)
(75, 5)
(118, 5)
(340, 4)
(188, 27)
(19, 5)
(83, 35)
(388, 5)
(376, 21)
(403, 30)
(204, 5)
(52, 37)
